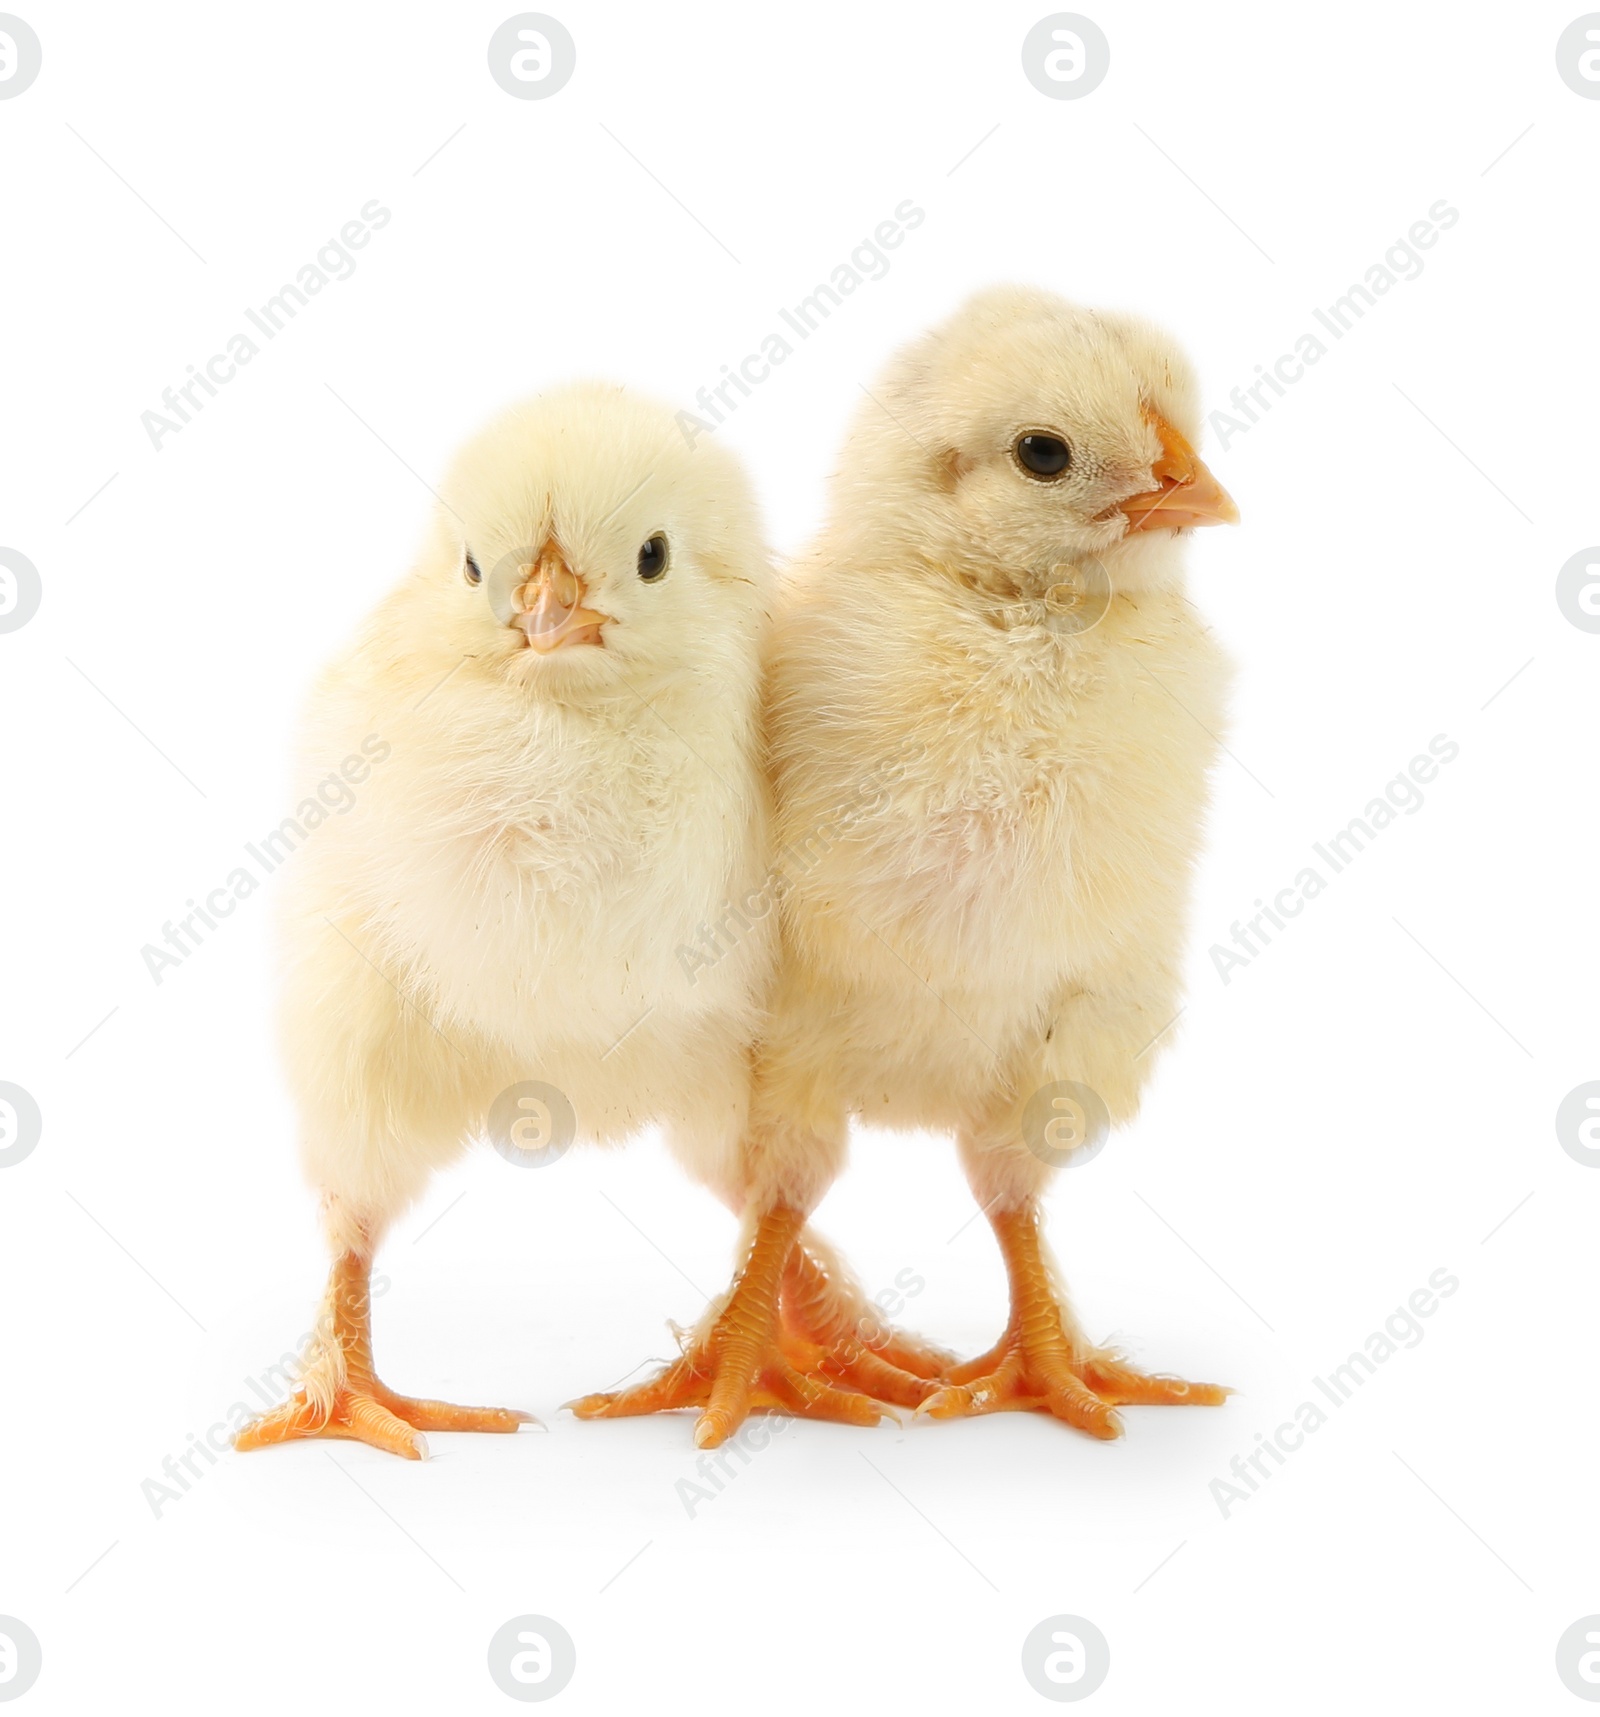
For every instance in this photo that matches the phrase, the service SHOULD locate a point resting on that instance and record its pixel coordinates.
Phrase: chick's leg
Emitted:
(341, 1395)
(740, 1361)
(824, 1307)
(794, 1326)
(1043, 1362)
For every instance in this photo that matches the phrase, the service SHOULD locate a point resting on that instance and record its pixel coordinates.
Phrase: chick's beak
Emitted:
(549, 606)
(1186, 492)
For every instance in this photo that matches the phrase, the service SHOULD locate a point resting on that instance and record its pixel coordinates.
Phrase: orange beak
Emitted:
(1187, 494)
(550, 607)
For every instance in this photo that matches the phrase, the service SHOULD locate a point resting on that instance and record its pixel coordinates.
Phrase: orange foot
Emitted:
(362, 1408)
(745, 1362)
(1037, 1366)
(823, 1309)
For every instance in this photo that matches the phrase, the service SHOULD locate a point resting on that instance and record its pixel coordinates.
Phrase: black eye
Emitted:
(473, 575)
(1043, 455)
(653, 558)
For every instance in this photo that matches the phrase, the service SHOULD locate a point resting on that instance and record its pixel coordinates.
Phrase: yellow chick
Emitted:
(556, 721)
(991, 716)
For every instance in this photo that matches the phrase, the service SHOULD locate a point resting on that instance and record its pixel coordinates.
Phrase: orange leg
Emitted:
(857, 1347)
(743, 1362)
(1038, 1365)
(362, 1408)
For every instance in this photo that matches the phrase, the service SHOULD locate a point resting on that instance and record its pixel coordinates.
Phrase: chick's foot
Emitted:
(850, 1342)
(744, 1362)
(347, 1399)
(1037, 1366)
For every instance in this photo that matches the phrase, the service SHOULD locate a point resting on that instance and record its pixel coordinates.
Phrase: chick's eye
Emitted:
(1043, 455)
(653, 558)
(470, 570)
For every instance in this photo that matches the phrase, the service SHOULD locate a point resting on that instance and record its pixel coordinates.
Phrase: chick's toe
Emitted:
(852, 1343)
(343, 1397)
(1040, 1365)
(745, 1360)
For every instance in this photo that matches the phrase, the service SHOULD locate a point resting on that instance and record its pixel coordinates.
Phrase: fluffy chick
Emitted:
(992, 714)
(559, 706)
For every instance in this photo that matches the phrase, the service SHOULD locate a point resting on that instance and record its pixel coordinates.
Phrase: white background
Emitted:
(1362, 1105)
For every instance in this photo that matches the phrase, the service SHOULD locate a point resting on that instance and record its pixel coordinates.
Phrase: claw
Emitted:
(1037, 1366)
(744, 1362)
(363, 1409)
(843, 1338)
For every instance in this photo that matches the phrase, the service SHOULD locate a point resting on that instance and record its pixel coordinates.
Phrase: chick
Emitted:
(991, 714)
(560, 706)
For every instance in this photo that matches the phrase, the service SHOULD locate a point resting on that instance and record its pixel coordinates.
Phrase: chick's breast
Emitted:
(535, 872)
(1028, 802)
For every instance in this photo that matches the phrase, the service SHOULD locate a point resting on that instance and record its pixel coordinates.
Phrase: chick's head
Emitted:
(581, 539)
(1026, 436)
